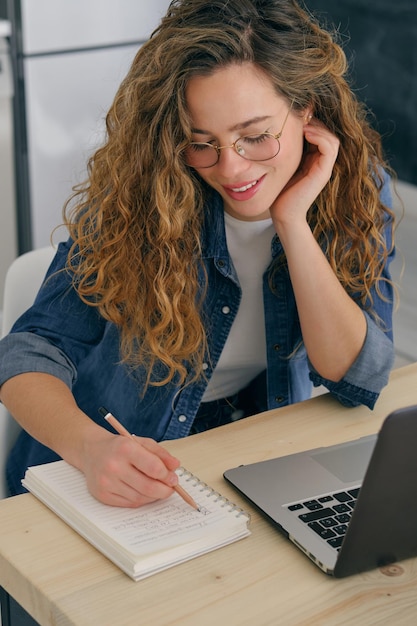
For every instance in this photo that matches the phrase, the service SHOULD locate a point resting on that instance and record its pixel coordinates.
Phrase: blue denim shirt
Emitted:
(62, 336)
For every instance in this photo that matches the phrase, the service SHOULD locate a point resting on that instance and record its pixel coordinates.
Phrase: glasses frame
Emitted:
(236, 147)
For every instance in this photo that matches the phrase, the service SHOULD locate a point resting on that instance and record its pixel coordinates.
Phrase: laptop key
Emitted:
(341, 508)
(325, 498)
(315, 515)
(342, 496)
(312, 505)
(325, 533)
(295, 507)
(335, 542)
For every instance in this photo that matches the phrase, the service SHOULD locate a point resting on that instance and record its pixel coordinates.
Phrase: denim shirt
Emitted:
(62, 336)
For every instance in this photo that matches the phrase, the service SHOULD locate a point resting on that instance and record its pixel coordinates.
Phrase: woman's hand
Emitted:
(311, 177)
(129, 472)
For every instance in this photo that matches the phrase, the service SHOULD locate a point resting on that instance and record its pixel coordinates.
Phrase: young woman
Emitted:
(229, 249)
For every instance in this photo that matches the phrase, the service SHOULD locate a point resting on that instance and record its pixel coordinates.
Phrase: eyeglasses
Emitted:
(257, 147)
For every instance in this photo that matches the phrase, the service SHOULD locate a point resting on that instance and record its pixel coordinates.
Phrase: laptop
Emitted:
(350, 507)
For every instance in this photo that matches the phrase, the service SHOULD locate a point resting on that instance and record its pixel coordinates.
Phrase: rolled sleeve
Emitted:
(26, 352)
(369, 373)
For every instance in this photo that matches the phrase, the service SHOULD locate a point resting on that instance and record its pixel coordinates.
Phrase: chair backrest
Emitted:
(23, 279)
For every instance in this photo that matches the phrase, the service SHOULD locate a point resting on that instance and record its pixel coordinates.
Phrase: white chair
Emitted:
(23, 279)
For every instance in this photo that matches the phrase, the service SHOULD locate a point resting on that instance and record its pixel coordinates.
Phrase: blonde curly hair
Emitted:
(136, 222)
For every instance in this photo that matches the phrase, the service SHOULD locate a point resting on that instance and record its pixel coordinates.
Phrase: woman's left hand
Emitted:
(311, 177)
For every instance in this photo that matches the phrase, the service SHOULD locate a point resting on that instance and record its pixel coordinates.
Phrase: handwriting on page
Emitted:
(169, 519)
(158, 524)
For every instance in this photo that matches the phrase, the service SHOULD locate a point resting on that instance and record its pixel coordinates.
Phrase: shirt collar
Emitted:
(213, 239)
(214, 234)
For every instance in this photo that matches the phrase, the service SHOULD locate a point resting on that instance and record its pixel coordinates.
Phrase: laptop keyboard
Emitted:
(328, 515)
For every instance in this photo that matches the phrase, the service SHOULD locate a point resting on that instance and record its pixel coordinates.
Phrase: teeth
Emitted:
(245, 188)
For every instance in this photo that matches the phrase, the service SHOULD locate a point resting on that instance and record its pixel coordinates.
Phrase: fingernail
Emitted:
(173, 480)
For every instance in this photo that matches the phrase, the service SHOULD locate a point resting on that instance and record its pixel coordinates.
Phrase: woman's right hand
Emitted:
(128, 471)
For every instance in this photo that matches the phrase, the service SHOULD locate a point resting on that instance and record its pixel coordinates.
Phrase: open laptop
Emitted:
(350, 507)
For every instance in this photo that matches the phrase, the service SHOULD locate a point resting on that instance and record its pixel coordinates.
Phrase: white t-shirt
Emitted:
(244, 354)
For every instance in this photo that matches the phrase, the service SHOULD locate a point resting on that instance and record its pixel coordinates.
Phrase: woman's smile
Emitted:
(245, 190)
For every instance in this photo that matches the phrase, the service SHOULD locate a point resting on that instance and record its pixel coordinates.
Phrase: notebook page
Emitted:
(153, 527)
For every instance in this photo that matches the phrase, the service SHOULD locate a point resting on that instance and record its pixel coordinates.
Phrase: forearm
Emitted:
(121, 471)
(332, 324)
(45, 407)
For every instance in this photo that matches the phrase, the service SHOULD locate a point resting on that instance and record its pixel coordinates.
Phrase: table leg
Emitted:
(5, 607)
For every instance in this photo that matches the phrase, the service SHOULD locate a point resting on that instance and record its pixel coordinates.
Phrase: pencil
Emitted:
(118, 427)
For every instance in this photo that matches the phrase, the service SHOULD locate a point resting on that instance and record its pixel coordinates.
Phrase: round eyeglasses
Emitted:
(257, 147)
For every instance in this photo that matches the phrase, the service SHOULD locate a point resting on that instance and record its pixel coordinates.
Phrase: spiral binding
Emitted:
(224, 502)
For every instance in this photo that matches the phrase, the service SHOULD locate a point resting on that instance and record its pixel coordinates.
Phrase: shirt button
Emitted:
(182, 418)
(220, 263)
(279, 399)
(277, 347)
(226, 310)
(205, 366)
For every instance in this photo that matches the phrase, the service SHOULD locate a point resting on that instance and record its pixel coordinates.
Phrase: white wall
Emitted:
(8, 243)
(63, 130)
(404, 271)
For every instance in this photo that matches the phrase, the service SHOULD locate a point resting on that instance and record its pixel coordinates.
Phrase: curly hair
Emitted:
(136, 222)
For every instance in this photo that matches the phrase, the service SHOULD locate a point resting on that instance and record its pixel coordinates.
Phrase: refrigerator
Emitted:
(68, 59)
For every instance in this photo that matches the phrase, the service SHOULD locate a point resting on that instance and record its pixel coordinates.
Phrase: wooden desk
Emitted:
(262, 580)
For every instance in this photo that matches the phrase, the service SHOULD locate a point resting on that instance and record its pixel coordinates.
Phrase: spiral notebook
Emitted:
(148, 539)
